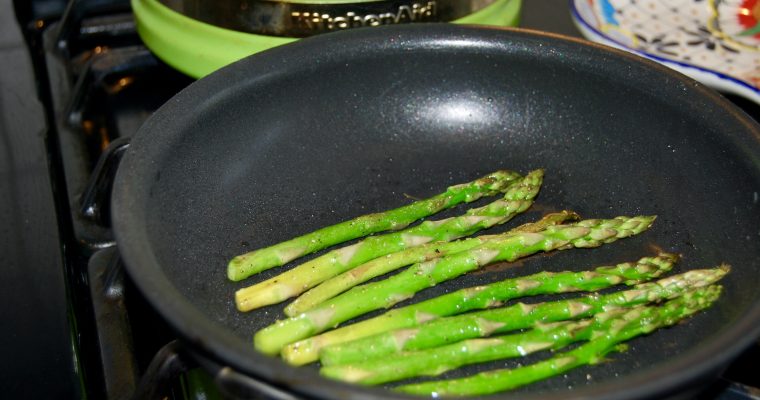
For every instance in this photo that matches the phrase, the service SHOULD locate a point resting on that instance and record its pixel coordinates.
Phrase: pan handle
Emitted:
(238, 386)
(96, 200)
(234, 385)
(168, 364)
(175, 359)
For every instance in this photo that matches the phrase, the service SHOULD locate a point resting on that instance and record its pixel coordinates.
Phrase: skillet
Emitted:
(335, 126)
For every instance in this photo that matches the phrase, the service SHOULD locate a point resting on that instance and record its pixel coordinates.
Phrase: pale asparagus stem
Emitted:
(632, 324)
(256, 261)
(484, 323)
(391, 262)
(383, 294)
(518, 198)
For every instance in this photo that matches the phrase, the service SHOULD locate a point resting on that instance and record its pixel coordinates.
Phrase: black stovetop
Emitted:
(75, 326)
(35, 341)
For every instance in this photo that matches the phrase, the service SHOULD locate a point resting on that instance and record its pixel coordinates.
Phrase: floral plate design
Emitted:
(714, 41)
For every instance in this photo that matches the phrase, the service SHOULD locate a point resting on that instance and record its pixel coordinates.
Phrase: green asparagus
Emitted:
(518, 198)
(484, 323)
(256, 261)
(426, 252)
(437, 360)
(492, 295)
(383, 294)
(634, 323)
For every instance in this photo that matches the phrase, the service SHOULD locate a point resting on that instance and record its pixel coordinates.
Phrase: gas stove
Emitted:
(96, 83)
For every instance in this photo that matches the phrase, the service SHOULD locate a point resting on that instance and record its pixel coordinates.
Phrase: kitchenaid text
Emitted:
(320, 22)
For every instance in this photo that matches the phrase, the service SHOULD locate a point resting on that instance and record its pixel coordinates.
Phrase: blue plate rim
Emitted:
(730, 79)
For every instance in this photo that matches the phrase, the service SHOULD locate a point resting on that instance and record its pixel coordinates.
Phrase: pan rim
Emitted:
(214, 340)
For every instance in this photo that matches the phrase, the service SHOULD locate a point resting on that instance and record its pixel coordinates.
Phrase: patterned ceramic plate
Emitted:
(714, 41)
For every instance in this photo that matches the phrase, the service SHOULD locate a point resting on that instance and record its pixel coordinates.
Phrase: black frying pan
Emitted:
(313, 133)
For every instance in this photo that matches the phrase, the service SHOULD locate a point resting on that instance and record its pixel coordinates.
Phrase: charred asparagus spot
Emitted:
(443, 331)
(517, 199)
(256, 261)
(391, 262)
(636, 322)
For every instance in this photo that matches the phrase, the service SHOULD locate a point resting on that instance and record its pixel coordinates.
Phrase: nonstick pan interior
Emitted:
(336, 126)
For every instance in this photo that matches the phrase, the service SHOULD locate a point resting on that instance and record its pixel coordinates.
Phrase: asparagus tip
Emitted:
(726, 268)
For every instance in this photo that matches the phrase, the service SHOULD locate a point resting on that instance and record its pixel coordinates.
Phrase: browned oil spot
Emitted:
(545, 208)
(499, 266)
(657, 249)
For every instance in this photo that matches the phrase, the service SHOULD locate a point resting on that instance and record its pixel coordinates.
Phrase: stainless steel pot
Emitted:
(300, 18)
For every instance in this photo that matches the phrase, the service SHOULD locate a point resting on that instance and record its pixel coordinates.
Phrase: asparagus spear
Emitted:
(426, 252)
(634, 323)
(517, 199)
(484, 323)
(437, 360)
(383, 294)
(478, 297)
(494, 294)
(256, 261)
